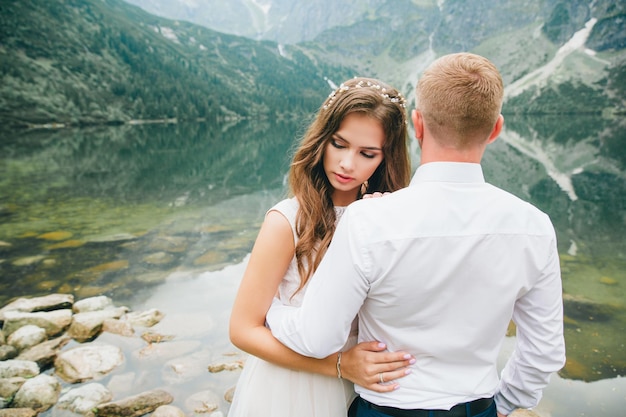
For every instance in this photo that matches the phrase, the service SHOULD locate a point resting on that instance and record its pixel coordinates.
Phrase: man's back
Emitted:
(446, 259)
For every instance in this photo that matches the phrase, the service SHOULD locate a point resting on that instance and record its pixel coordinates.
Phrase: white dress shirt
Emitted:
(438, 269)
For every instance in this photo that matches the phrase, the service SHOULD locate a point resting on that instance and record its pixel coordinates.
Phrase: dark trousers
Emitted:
(361, 408)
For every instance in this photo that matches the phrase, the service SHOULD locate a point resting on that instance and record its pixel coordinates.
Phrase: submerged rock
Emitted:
(172, 244)
(119, 237)
(87, 362)
(146, 318)
(83, 399)
(159, 258)
(26, 352)
(202, 402)
(168, 411)
(134, 406)
(28, 260)
(73, 243)
(152, 337)
(58, 235)
(580, 308)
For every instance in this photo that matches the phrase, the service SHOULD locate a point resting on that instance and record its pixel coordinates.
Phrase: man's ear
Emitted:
(418, 124)
(496, 129)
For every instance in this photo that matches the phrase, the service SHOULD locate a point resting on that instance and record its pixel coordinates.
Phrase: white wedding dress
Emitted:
(268, 390)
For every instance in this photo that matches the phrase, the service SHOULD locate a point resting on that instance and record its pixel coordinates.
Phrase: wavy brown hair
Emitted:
(315, 220)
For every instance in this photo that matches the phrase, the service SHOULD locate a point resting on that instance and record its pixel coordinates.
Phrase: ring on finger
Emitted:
(380, 377)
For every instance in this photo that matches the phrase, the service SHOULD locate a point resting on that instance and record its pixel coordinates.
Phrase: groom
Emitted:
(440, 268)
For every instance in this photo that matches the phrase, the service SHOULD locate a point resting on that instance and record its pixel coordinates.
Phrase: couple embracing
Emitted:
(427, 278)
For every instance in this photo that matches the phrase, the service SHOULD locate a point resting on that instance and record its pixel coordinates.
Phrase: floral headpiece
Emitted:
(396, 98)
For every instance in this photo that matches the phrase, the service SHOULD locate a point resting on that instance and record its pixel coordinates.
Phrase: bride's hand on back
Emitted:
(365, 363)
(375, 195)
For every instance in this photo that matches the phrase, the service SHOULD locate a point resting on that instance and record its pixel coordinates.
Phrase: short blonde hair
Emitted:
(460, 98)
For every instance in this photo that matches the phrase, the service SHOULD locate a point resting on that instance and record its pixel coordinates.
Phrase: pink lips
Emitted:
(342, 179)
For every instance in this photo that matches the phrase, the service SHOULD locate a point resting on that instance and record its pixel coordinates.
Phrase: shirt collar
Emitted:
(449, 172)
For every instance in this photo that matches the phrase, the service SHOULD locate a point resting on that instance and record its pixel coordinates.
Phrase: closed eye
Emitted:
(336, 143)
(340, 143)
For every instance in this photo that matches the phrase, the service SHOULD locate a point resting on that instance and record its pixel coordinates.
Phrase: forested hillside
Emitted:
(105, 61)
(560, 56)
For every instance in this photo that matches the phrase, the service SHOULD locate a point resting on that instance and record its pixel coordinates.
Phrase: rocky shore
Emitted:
(52, 357)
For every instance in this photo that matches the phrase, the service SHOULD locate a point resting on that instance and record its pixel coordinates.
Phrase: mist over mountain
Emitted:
(283, 21)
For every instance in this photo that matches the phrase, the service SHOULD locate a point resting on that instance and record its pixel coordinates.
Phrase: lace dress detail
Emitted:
(265, 389)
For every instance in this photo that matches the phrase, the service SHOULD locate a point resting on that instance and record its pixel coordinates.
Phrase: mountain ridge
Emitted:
(106, 61)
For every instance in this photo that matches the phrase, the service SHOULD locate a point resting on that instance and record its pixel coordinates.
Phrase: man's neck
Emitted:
(451, 155)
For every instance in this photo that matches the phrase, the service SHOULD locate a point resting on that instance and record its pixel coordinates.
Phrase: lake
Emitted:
(164, 216)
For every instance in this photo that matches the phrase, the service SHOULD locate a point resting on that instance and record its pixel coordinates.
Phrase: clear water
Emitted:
(164, 216)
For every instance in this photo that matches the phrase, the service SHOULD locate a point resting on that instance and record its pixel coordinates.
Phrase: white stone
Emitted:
(185, 368)
(53, 322)
(39, 393)
(87, 362)
(27, 336)
(87, 325)
(92, 304)
(145, 318)
(202, 402)
(9, 386)
(119, 327)
(168, 411)
(84, 398)
(45, 303)
(18, 368)
(168, 350)
(121, 384)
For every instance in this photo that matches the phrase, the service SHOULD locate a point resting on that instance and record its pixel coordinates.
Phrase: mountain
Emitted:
(556, 56)
(578, 48)
(105, 61)
(283, 21)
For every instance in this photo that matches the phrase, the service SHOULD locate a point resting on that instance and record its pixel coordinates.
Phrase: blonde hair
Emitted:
(460, 98)
(315, 220)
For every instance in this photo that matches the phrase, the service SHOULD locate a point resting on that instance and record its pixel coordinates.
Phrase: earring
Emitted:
(364, 187)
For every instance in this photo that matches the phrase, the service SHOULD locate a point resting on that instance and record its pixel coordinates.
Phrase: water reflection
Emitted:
(122, 210)
(583, 189)
(156, 163)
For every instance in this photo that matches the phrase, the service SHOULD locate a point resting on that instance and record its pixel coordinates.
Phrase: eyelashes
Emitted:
(336, 143)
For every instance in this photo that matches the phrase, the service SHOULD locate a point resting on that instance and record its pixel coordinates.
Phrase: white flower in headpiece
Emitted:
(361, 84)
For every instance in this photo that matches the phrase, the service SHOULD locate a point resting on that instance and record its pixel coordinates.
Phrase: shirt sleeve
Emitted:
(540, 346)
(321, 325)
